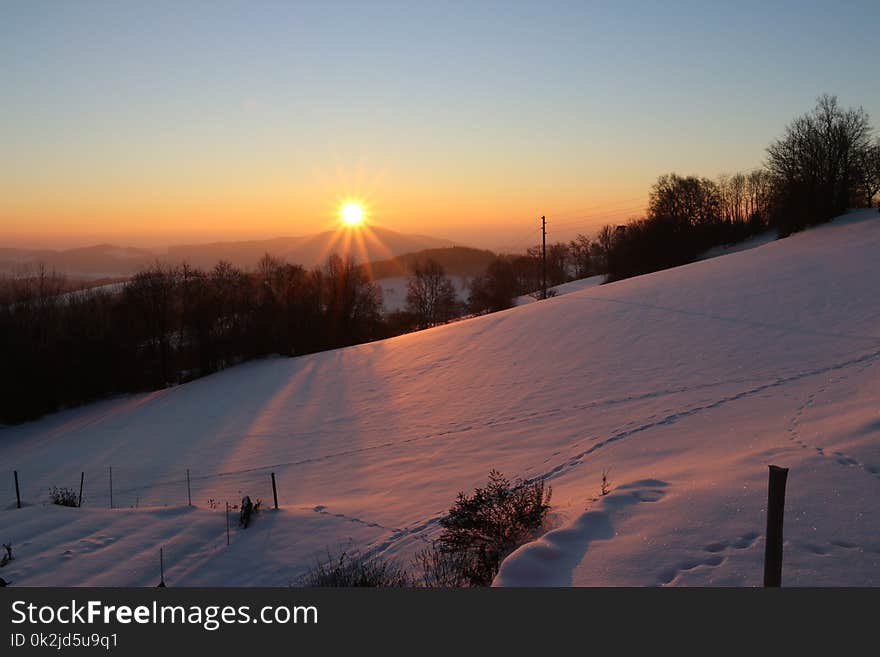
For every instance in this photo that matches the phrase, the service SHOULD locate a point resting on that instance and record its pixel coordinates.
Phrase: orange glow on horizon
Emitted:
(154, 215)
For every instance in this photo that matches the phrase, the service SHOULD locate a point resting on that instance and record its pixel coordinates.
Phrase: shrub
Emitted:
(440, 569)
(63, 496)
(347, 570)
(483, 528)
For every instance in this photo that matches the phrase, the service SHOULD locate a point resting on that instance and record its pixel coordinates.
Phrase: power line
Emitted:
(601, 206)
(581, 221)
(522, 240)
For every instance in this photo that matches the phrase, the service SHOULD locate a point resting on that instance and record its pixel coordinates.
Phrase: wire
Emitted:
(608, 214)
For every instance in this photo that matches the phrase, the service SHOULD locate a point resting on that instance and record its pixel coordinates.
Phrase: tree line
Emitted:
(168, 325)
(826, 161)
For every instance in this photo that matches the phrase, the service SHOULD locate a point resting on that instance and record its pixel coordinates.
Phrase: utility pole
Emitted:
(543, 257)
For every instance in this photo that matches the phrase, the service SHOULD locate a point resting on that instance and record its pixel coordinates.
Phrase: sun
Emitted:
(351, 214)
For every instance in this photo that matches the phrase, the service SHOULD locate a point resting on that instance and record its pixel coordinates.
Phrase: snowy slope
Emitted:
(564, 288)
(685, 383)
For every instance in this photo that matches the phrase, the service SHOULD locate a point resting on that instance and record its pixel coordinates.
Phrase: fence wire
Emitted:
(132, 487)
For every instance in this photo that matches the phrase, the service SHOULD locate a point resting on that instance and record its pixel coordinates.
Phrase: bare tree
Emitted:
(150, 297)
(759, 188)
(696, 201)
(869, 171)
(430, 295)
(603, 245)
(814, 163)
(351, 302)
(496, 289)
(580, 249)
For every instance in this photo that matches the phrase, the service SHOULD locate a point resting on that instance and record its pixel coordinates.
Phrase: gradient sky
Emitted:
(152, 123)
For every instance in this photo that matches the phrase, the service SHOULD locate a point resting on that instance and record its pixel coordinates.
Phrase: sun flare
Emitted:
(351, 214)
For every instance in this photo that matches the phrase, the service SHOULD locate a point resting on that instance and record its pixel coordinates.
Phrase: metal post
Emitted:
(82, 478)
(775, 512)
(274, 490)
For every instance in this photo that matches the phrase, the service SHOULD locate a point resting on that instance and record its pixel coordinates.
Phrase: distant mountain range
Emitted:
(106, 260)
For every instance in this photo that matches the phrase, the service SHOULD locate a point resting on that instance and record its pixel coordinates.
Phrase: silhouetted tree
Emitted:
(868, 167)
(581, 253)
(496, 289)
(430, 295)
(814, 164)
(690, 205)
(149, 299)
(558, 263)
(352, 303)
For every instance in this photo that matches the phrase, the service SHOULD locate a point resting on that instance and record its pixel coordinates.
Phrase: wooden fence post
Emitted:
(161, 568)
(17, 492)
(82, 477)
(775, 512)
(274, 490)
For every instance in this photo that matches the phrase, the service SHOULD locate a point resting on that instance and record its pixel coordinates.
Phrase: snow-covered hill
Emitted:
(684, 384)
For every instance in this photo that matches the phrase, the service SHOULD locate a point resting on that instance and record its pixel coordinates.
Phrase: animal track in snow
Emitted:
(839, 457)
(716, 554)
(323, 510)
(576, 460)
(824, 549)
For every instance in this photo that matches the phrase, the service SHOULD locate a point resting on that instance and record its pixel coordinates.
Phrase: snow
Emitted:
(684, 384)
(745, 245)
(564, 288)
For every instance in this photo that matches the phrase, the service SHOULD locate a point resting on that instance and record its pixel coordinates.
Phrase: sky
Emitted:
(153, 123)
